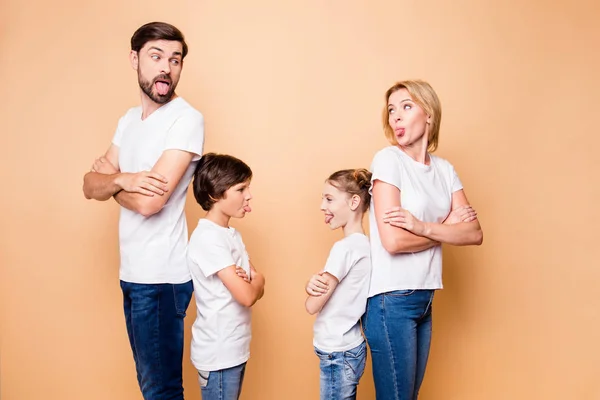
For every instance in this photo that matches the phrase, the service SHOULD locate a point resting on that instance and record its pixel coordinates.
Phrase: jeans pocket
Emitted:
(322, 355)
(203, 378)
(354, 362)
(182, 294)
(400, 293)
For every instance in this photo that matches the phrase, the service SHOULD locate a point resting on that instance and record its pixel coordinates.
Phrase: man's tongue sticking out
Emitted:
(162, 88)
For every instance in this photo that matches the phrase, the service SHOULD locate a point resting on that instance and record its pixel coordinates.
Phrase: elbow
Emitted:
(389, 245)
(248, 301)
(148, 209)
(310, 308)
(478, 238)
(85, 188)
(85, 193)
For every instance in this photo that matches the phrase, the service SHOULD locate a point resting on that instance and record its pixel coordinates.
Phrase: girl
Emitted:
(226, 284)
(418, 203)
(339, 292)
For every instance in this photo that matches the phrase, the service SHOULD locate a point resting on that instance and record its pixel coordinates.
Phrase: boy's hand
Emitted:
(242, 273)
(317, 285)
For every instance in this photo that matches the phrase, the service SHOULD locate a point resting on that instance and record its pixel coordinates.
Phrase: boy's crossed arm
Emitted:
(245, 290)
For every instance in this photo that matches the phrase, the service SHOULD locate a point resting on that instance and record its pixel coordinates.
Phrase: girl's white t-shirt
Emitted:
(221, 332)
(426, 192)
(337, 326)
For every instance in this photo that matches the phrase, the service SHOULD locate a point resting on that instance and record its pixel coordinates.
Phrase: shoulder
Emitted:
(385, 156)
(440, 162)
(131, 114)
(183, 109)
(360, 246)
(206, 234)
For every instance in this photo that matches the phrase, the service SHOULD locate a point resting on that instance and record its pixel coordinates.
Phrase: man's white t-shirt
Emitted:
(337, 326)
(221, 332)
(153, 248)
(426, 192)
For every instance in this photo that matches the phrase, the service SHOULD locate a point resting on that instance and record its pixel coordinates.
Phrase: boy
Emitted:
(226, 284)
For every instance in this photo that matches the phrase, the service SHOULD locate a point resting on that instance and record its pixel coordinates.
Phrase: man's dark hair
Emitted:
(215, 174)
(157, 31)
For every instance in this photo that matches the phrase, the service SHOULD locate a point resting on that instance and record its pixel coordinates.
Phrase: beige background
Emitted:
(295, 89)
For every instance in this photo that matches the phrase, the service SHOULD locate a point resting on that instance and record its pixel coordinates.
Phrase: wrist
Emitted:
(426, 230)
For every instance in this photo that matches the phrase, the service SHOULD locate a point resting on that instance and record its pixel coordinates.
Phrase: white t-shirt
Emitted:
(426, 192)
(153, 248)
(221, 332)
(337, 326)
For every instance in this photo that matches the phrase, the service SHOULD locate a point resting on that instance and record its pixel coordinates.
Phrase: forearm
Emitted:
(314, 304)
(403, 241)
(461, 234)
(138, 203)
(257, 289)
(99, 186)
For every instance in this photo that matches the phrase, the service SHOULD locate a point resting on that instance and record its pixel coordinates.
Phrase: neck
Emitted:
(417, 151)
(149, 105)
(354, 225)
(215, 215)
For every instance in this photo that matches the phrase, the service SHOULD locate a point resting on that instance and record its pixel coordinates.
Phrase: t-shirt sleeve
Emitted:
(118, 136)
(211, 253)
(339, 261)
(385, 168)
(456, 184)
(187, 134)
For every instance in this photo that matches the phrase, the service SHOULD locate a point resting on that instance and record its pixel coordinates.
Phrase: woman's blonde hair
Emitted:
(423, 94)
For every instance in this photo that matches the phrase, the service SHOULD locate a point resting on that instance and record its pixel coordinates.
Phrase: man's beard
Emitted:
(149, 88)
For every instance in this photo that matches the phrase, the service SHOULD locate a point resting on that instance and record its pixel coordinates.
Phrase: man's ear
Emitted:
(133, 59)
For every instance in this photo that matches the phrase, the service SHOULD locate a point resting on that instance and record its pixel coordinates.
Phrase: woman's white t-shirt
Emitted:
(426, 192)
(337, 326)
(221, 332)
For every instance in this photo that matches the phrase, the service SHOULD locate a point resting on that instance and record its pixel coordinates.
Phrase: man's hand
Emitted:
(147, 183)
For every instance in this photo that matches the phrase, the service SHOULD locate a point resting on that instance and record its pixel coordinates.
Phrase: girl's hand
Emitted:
(464, 213)
(317, 285)
(242, 273)
(401, 218)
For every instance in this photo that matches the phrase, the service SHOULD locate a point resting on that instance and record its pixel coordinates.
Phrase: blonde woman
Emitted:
(418, 203)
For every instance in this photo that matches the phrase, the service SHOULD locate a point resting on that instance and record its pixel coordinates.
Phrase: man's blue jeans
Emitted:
(398, 329)
(154, 316)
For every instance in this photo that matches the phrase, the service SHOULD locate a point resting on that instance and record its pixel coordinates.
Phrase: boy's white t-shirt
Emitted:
(153, 248)
(337, 326)
(426, 192)
(221, 332)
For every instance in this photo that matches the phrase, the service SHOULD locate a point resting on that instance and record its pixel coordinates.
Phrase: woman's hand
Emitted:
(401, 218)
(464, 213)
